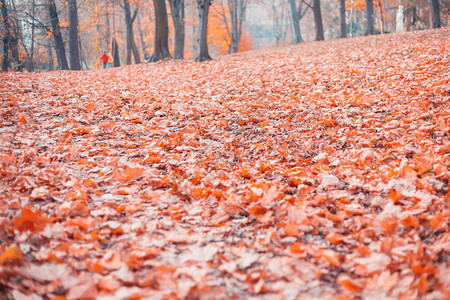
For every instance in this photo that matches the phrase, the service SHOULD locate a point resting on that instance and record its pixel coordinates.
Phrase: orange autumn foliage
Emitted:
(219, 31)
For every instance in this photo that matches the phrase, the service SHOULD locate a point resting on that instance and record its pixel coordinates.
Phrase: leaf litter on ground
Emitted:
(314, 171)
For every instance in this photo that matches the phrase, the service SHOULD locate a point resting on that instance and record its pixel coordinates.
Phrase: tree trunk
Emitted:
(75, 63)
(82, 55)
(177, 10)
(5, 63)
(161, 44)
(126, 6)
(131, 44)
(141, 35)
(343, 21)
(14, 46)
(237, 14)
(352, 11)
(33, 27)
(137, 58)
(411, 17)
(6, 36)
(203, 11)
(277, 23)
(414, 16)
(318, 21)
(296, 22)
(14, 36)
(100, 42)
(108, 27)
(115, 53)
(435, 14)
(194, 30)
(234, 40)
(59, 43)
(369, 18)
(380, 11)
(49, 57)
(242, 11)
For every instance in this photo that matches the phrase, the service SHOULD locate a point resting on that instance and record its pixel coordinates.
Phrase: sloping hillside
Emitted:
(315, 171)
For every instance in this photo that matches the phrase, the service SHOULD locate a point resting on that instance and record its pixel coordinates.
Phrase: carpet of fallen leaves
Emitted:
(314, 171)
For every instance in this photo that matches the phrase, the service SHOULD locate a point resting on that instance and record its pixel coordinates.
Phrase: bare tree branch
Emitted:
(134, 15)
(309, 5)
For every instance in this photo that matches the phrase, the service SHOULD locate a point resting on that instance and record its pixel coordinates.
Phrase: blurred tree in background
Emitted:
(55, 34)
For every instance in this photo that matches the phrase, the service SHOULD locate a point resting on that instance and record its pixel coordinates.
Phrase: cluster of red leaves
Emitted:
(315, 171)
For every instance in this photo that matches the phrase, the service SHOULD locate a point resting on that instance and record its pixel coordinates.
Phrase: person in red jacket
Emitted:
(105, 58)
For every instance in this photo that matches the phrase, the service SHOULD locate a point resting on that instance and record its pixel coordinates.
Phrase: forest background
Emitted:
(72, 34)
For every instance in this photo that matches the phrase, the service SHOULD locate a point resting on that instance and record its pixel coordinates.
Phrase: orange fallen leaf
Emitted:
(113, 262)
(130, 174)
(85, 290)
(297, 248)
(30, 219)
(334, 239)
(349, 284)
(444, 149)
(422, 285)
(11, 254)
(7, 159)
(330, 256)
(84, 223)
(290, 229)
(108, 284)
(409, 221)
(22, 120)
